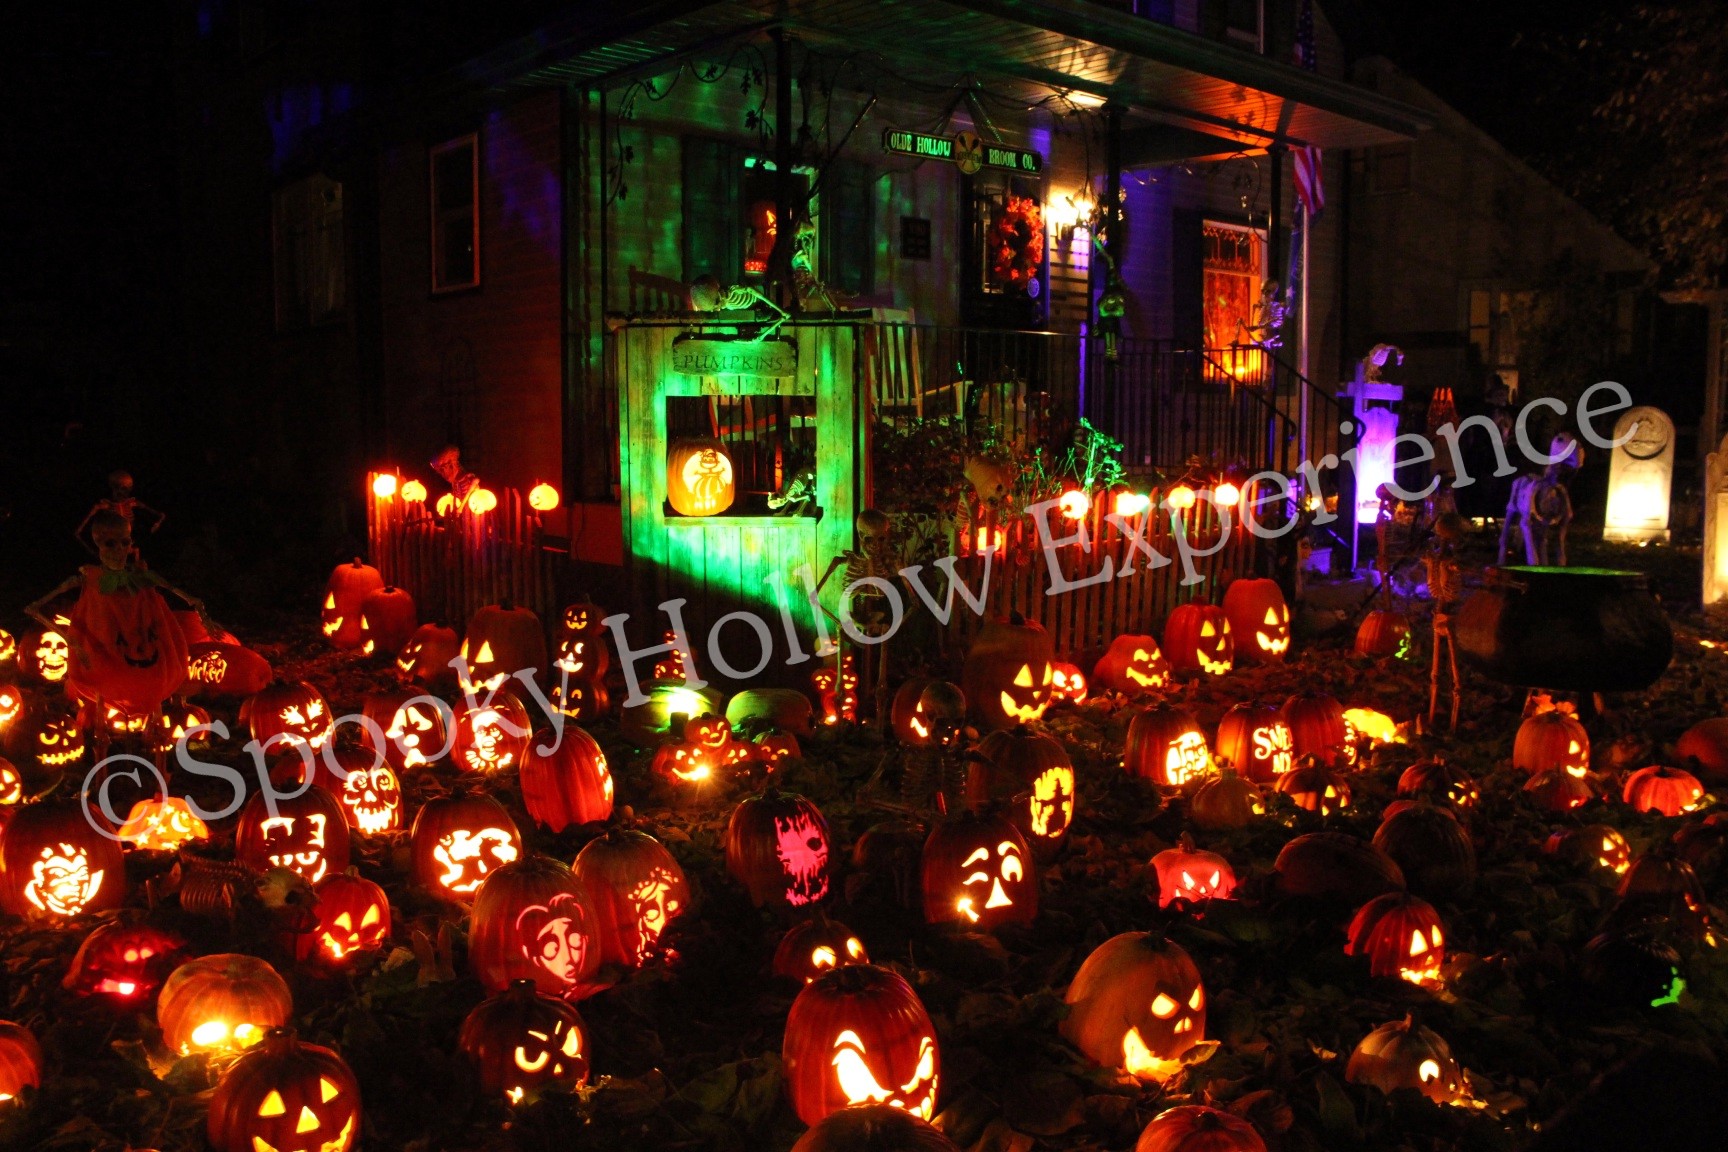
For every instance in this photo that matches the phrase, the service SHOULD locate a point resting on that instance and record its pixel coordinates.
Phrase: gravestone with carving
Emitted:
(1640, 474)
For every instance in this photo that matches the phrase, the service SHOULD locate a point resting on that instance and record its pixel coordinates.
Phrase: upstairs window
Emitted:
(455, 180)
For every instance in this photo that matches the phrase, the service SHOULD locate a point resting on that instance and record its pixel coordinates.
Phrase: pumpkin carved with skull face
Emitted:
(859, 1035)
(777, 846)
(285, 1096)
(46, 655)
(371, 795)
(524, 1044)
(1137, 1004)
(977, 873)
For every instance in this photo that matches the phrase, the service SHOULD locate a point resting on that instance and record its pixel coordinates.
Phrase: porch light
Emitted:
(384, 485)
(1074, 504)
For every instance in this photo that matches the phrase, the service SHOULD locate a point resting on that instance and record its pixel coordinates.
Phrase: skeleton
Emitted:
(795, 498)
(1270, 313)
(706, 295)
(867, 605)
(1445, 588)
(1541, 505)
(448, 464)
(122, 503)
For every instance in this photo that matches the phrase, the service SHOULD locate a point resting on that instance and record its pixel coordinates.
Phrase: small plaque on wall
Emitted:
(700, 356)
(914, 238)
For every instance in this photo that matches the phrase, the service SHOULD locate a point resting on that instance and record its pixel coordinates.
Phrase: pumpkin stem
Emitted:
(1185, 842)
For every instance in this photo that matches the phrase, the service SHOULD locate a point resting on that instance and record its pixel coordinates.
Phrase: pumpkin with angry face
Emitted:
(1401, 936)
(524, 1043)
(1187, 875)
(353, 918)
(817, 946)
(1136, 1004)
(457, 842)
(288, 716)
(1008, 673)
(1260, 618)
(977, 873)
(502, 640)
(1131, 665)
(285, 1096)
(1198, 637)
(859, 1035)
(371, 794)
(777, 846)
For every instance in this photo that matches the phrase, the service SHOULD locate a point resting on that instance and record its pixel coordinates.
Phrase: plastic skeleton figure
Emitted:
(1445, 588)
(122, 503)
(448, 464)
(1540, 509)
(1269, 315)
(706, 295)
(866, 605)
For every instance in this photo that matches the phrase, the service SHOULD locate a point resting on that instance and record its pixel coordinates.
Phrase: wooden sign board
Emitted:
(706, 356)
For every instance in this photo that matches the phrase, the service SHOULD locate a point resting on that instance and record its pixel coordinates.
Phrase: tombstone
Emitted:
(1716, 525)
(1640, 474)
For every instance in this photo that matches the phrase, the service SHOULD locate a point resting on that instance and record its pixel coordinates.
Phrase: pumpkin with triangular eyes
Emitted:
(581, 618)
(285, 1096)
(1260, 619)
(1199, 637)
(1402, 937)
(502, 640)
(859, 1035)
(1188, 875)
(977, 873)
(349, 585)
(817, 946)
(524, 1043)
(1404, 1054)
(1131, 665)
(387, 621)
(1008, 673)
(353, 918)
(1594, 847)
(1067, 684)
(425, 658)
(1316, 787)
(1137, 1004)
(1552, 740)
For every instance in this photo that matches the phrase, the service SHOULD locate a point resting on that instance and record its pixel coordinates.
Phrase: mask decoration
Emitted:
(1008, 673)
(348, 587)
(221, 1003)
(1404, 1054)
(534, 920)
(1316, 787)
(977, 873)
(1188, 876)
(1402, 937)
(457, 842)
(307, 834)
(699, 477)
(1595, 847)
(1225, 801)
(1067, 684)
(777, 846)
(1318, 729)
(1132, 665)
(1669, 791)
(1552, 740)
(523, 1044)
(124, 960)
(1136, 1004)
(1165, 745)
(815, 947)
(54, 865)
(1259, 618)
(502, 640)
(493, 736)
(569, 785)
(1198, 637)
(285, 1096)
(286, 716)
(1255, 741)
(859, 1035)
(162, 824)
(371, 796)
(353, 919)
(637, 888)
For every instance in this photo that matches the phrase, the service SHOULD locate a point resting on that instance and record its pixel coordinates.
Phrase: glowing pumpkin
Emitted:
(1318, 728)
(20, 1063)
(1186, 875)
(1137, 1004)
(569, 784)
(162, 824)
(1068, 684)
(1316, 787)
(1034, 772)
(425, 658)
(285, 1096)
(1165, 745)
(55, 865)
(287, 717)
(1552, 740)
(1224, 801)
(533, 920)
(1403, 1054)
(859, 1035)
(1670, 791)
(371, 794)
(387, 621)
(1197, 1128)
(353, 920)
(1008, 673)
(348, 586)
(1439, 782)
(977, 873)
(125, 960)
(523, 1044)
(494, 735)
(817, 946)
(1259, 618)
(458, 841)
(221, 1003)
(1131, 665)
(1254, 739)
(1198, 637)
(699, 477)
(1558, 790)
(777, 846)
(1598, 847)
(502, 640)
(306, 834)
(1401, 936)
(1383, 633)
(636, 889)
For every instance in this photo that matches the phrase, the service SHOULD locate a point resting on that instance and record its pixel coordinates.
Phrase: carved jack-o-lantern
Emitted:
(636, 887)
(58, 741)
(502, 640)
(569, 784)
(581, 619)
(1439, 782)
(55, 865)
(1552, 740)
(777, 846)
(1198, 636)
(387, 621)
(977, 873)
(425, 658)
(288, 716)
(1008, 673)
(415, 728)
(492, 736)
(46, 655)
(1403, 1054)
(1131, 665)
(1186, 875)
(349, 585)
(1670, 791)
(1402, 937)
(836, 685)
(306, 834)
(859, 1035)
(1136, 1004)
(1067, 684)
(1558, 790)
(1260, 619)
(11, 707)
(533, 920)
(581, 656)
(353, 918)
(285, 1096)
(8, 648)
(1227, 800)
(1597, 847)
(20, 1063)
(1165, 745)
(1256, 742)
(523, 1044)
(371, 795)
(11, 783)
(124, 960)
(584, 700)
(815, 947)
(699, 477)
(1316, 787)
(458, 841)
(162, 824)
(221, 1003)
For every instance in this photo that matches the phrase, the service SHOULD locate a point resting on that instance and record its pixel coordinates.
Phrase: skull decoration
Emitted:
(523, 1044)
(48, 655)
(777, 846)
(859, 1035)
(1187, 875)
(285, 1096)
(977, 873)
(1136, 1004)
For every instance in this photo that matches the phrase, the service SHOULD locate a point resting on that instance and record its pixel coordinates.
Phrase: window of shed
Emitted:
(768, 453)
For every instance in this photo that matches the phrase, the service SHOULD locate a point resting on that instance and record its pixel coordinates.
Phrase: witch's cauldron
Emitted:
(1573, 629)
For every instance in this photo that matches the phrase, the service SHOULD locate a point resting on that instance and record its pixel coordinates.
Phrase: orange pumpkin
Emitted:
(387, 621)
(700, 480)
(1260, 619)
(1197, 1128)
(1032, 771)
(221, 1003)
(1256, 742)
(285, 1096)
(348, 587)
(1552, 740)
(1008, 673)
(977, 873)
(524, 1044)
(55, 865)
(1403, 1054)
(1383, 633)
(1131, 665)
(1227, 800)
(858, 1035)
(1186, 875)
(1137, 1004)
(570, 784)
(20, 1062)
(457, 842)
(1401, 936)
(1670, 791)
(533, 920)
(1165, 745)
(1198, 637)
(817, 946)
(636, 888)
(502, 640)
(1318, 728)
(305, 833)
(425, 658)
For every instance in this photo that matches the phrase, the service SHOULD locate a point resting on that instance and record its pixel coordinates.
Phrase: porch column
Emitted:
(785, 227)
(1106, 320)
(1275, 225)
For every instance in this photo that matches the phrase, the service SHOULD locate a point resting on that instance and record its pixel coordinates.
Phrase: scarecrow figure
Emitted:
(123, 504)
(448, 465)
(1445, 588)
(866, 604)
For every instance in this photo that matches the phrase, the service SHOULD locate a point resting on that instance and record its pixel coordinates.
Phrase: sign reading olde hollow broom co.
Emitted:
(701, 356)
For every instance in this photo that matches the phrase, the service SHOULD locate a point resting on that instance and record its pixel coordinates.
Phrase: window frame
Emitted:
(438, 215)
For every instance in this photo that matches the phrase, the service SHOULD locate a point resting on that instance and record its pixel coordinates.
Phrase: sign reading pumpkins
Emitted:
(702, 356)
(965, 151)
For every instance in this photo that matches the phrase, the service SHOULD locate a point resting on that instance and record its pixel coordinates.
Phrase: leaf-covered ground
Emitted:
(686, 1052)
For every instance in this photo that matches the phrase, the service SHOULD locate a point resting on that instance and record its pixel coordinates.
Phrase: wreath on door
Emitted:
(1016, 243)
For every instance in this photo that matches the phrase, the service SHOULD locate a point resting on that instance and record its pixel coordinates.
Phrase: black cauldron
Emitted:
(1574, 629)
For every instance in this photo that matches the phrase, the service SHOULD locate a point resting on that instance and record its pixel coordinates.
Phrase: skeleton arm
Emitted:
(36, 611)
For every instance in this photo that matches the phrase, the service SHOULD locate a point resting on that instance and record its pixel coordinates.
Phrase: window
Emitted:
(848, 225)
(1494, 319)
(1234, 263)
(1244, 22)
(770, 444)
(1389, 169)
(456, 214)
(307, 243)
(761, 228)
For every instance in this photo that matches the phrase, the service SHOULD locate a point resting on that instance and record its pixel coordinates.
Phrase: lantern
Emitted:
(1131, 665)
(54, 865)
(1403, 1054)
(1431, 848)
(1074, 504)
(1383, 632)
(581, 656)
(425, 658)
(384, 485)
(777, 846)
(1165, 745)
(1187, 875)
(859, 1035)
(1198, 636)
(1592, 846)
(162, 824)
(493, 736)
(1137, 1004)
(1067, 684)
(523, 1044)
(1033, 767)
(288, 716)
(285, 1096)
(568, 785)
(1439, 782)
(1552, 740)
(1401, 936)
(349, 585)
(1316, 787)
(353, 919)
(1318, 728)
(699, 477)
(817, 946)
(1259, 618)
(221, 1003)
(125, 960)
(1558, 790)
(1225, 801)
(306, 834)
(1256, 742)
(20, 1063)
(1670, 791)
(772, 749)
(636, 888)
(1197, 1128)
(482, 501)
(1007, 673)
(220, 670)
(458, 841)
(502, 640)
(533, 920)
(543, 497)
(977, 873)
(1335, 867)
(371, 795)
(873, 1128)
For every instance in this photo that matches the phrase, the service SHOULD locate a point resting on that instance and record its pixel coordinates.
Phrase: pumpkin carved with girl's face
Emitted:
(533, 920)
(1136, 1004)
(285, 1096)
(569, 784)
(348, 586)
(1131, 665)
(1008, 673)
(221, 1003)
(54, 865)
(777, 846)
(306, 834)
(1260, 619)
(1165, 745)
(1402, 937)
(817, 946)
(859, 1035)
(1404, 1054)
(977, 873)
(636, 889)
(1256, 742)
(1198, 637)
(524, 1043)
(457, 842)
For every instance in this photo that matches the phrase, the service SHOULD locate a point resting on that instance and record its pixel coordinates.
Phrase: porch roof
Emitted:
(1192, 97)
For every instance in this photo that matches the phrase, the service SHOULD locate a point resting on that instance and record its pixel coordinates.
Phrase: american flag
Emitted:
(1310, 183)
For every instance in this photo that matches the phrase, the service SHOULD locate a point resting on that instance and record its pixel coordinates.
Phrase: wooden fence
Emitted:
(462, 560)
